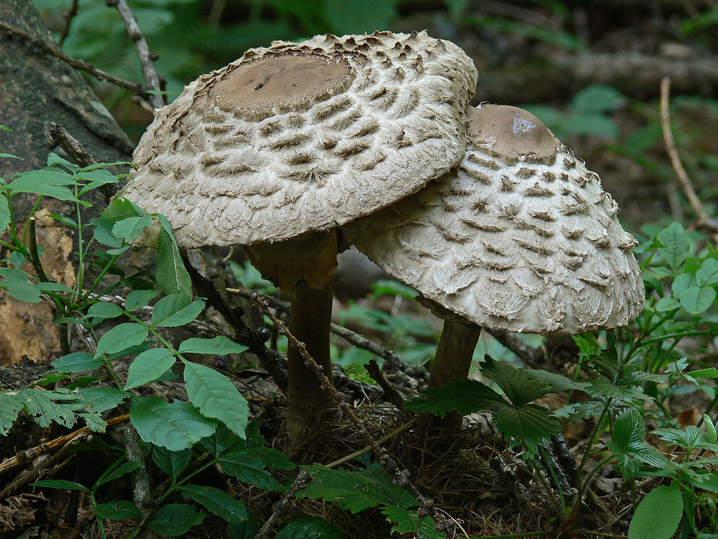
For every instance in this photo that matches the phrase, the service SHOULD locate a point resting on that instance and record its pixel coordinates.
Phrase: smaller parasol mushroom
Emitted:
(520, 237)
(276, 150)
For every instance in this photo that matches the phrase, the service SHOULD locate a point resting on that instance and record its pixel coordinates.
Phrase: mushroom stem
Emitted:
(309, 321)
(455, 351)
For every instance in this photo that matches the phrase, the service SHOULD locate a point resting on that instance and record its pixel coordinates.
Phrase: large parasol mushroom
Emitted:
(520, 237)
(277, 149)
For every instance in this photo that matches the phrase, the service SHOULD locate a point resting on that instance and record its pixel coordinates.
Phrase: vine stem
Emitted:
(401, 477)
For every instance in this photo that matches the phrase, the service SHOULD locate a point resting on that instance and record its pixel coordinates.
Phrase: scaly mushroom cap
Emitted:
(521, 237)
(304, 137)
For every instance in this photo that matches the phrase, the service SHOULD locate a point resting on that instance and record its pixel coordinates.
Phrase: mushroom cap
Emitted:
(520, 237)
(303, 137)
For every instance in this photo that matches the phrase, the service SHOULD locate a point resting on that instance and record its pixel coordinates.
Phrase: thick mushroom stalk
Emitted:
(303, 268)
(519, 237)
(281, 147)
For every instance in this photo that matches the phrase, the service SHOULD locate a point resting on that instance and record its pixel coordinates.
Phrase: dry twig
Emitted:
(703, 220)
(153, 78)
(45, 47)
(401, 477)
(69, 15)
(23, 457)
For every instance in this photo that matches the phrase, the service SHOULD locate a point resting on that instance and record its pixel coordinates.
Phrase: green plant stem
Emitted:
(594, 434)
(553, 476)
(99, 278)
(676, 336)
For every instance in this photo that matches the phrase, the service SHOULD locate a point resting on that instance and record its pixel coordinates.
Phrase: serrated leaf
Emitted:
(356, 490)
(171, 276)
(173, 463)
(216, 501)
(696, 299)
(104, 310)
(528, 424)
(219, 345)
(139, 298)
(457, 395)
(10, 407)
(175, 519)
(94, 421)
(309, 528)
(677, 245)
(272, 458)
(556, 382)
(60, 484)
(175, 310)
(517, 384)
(706, 481)
(149, 366)
(48, 406)
(628, 427)
(121, 337)
(175, 425)
(220, 441)
(101, 399)
(47, 181)
(658, 515)
(117, 510)
(407, 521)
(76, 362)
(216, 397)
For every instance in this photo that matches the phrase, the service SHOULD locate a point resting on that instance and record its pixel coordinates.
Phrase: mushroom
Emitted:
(276, 150)
(520, 237)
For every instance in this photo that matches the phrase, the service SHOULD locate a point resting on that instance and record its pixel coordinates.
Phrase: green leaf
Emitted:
(22, 290)
(101, 399)
(117, 510)
(172, 277)
(555, 382)
(598, 98)
(139, 298)
(176, 310)
(130, 228)
(517, 384)
(528, 424)
(696, 300)
(628, 427)
(357, 490)
(4, 212)
(47, 181)
(309, 528)
(667, 304)
(677, 245)
(249, 468)
(216, 501)
(48, 406)
(10, 407)
(706, 481)
(175, 425)
(174, 519)
(149, 366)
(119, 469)
(707, 274)
(76, 362)
(457, 395)
(219, 345)
(407, 521)
(173, 463)
(60, 484)
(658, 515)
(104, 310)
(216, 397)
(121, 337)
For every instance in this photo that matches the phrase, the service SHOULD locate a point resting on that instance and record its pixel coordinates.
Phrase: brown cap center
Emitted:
(511, 132)
(286, 79)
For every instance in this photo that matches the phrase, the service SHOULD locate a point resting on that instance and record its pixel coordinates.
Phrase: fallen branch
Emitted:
(704, 221)
(401, 477)
(149, 70)
(69, 15)
(45, 47)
